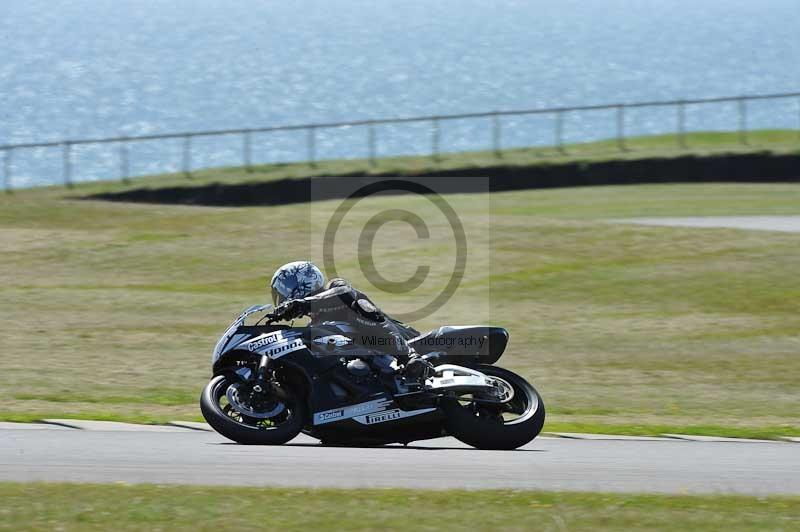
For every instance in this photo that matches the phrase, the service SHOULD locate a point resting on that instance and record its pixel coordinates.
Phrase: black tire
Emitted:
(249, 434)
(488, 433)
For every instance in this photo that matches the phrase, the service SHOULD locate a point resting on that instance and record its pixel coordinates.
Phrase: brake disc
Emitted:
(235, 400)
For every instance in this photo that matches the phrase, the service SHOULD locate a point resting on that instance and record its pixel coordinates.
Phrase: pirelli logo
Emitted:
(381, 417)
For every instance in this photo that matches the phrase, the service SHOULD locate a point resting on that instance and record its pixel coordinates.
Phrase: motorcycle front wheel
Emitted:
(505, 425)
(230, 408)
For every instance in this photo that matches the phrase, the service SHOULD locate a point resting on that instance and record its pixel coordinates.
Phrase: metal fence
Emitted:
(495, 119)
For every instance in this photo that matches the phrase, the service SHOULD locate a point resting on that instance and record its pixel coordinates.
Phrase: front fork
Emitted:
(262, 385)
(261, 373)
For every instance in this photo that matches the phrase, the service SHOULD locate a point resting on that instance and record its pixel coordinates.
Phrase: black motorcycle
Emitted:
(272, 381)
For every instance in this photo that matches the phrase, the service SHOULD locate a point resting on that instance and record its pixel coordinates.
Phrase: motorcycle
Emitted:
(272, 381)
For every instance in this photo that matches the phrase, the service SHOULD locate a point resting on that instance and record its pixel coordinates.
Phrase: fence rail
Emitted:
(558, 113)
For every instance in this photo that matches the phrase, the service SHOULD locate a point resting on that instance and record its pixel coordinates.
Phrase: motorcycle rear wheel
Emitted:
(484, 426)
(249, 430)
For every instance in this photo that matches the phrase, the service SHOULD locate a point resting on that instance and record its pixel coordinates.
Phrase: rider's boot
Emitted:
(417, 369)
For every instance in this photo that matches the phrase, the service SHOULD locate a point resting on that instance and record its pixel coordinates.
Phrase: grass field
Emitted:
(124, 507)
(109, 311)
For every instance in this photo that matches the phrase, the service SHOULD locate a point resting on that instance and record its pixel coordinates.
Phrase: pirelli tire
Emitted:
(250, 431)
(464, 422)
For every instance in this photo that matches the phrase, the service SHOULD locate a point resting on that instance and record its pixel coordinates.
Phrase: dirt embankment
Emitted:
(756, 167)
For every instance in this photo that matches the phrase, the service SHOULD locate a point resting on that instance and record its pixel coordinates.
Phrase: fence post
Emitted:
(681, 125)
(187, 156)
(7, 170)
(621, 128)
(559, 132)
(247, 151)
(435, 139)
(123, 161)
(371, 143)
(496, 135)
(312, 146)
(67, 163)
(742, 105)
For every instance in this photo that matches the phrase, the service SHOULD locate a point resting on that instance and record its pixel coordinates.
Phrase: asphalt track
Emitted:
(185, 456)
(789, 224)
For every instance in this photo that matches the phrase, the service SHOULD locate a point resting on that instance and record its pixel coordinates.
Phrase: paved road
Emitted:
(198, 457)
(789, 224)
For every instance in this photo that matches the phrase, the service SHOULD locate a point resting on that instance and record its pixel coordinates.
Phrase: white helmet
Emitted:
(296, 280)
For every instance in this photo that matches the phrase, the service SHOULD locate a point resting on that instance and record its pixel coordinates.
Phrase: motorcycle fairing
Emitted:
(274, 344)
(351, 411)
(224, 340)
(381, 410)
(393, 414)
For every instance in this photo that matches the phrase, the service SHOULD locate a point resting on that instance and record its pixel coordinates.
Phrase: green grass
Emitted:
(110, 310)
(125, 507)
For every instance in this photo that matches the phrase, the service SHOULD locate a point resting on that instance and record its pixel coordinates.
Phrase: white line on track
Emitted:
(621, 437)
(192, 425)
(790, 224)
(8, 425)
(694, 437)
(114, 426)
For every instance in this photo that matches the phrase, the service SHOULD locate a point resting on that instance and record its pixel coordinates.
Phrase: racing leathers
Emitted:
(339, 301)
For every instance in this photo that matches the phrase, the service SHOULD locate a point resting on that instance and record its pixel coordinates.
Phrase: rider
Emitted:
(299, 289)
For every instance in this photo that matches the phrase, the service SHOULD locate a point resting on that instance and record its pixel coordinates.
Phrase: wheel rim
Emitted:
(233, 401)
(237, 398)
(518, 406)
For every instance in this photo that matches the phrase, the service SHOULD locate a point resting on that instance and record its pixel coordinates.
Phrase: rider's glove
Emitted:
(291, 309)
